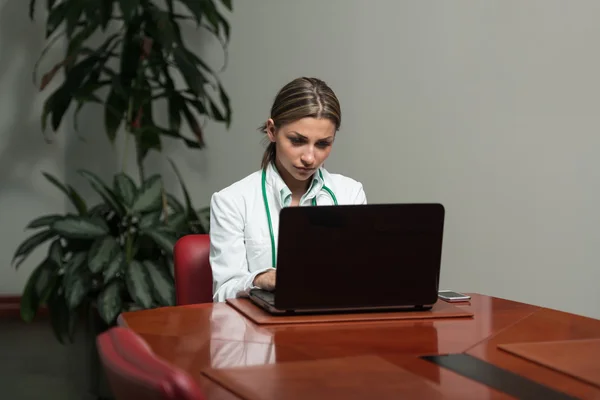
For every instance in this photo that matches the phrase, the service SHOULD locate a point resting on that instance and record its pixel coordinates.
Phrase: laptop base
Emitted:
(266, 300)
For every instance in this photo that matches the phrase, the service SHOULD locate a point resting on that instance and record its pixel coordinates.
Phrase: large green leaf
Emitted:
(175, 103)
(75, 227)
(138, 284)
(110, 302)
(115, 266)
(55, 253)
(73, 196)
(107, 195)
(44, 220)
(101, 253)
(162, 283)
(76, 288)
(30, 300)
(125, 188)
(164, 239)
(75, 264)
(149, 197)
(30, 244)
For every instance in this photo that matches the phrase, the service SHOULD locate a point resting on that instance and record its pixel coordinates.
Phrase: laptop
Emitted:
(356, 258)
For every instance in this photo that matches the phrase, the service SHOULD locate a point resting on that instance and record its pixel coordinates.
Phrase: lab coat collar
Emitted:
(282, 192)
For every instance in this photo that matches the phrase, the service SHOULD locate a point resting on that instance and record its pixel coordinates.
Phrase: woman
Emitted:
(244, 217)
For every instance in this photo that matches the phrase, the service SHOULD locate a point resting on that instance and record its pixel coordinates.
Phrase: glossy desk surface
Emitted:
(216, 336)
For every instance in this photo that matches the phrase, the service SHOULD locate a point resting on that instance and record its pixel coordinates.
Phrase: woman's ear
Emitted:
(271, 131)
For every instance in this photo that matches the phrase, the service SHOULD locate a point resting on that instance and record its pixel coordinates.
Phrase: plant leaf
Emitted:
(110, 303)
(75, 264)
(138, 284)
(42, 221)
(114, 111)
(174, 204)
(191, 75)
(150, 220)
(106, 10)
(174, 104)
(59, 316)
(149, 197)
(55, 18)
(162, 283)
(228, 4)
(227, 104)
(30, 300)
(70, 192)
(29, 244)
(59, 101)
(125, 188)
(128, 8)
(74, 227)
(101, 253)
(165, 240)
(31, 9)
(107, 195)
(177, 221)
(47, 284)
(55, 253)
(192, 144)
(115, 266)
(76, 288)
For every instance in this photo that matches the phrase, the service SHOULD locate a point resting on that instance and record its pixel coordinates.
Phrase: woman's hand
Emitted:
(266, 280)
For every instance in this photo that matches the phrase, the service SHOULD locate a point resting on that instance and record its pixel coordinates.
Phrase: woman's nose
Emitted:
(308, 157)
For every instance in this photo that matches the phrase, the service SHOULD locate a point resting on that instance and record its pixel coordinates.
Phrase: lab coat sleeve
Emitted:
(359, 196)
(231, 277)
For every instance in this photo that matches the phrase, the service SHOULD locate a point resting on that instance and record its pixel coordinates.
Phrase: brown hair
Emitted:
(302, 98)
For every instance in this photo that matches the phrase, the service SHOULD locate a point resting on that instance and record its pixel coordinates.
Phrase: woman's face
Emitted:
(302, 146)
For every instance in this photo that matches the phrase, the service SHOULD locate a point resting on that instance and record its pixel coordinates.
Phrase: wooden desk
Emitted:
(201, 336)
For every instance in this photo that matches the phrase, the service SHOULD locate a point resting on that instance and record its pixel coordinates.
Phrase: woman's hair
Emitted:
(302, 98)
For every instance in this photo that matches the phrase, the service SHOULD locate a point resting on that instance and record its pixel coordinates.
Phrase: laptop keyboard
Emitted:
(268, 297)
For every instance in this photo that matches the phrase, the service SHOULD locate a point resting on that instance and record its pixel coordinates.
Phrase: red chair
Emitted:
(133, 371)
(193, 275)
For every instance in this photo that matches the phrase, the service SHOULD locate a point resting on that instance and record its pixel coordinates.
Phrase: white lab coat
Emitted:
(240, 243)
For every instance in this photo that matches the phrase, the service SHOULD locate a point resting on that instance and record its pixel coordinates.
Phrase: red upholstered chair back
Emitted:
(133, 371)
(193, 275)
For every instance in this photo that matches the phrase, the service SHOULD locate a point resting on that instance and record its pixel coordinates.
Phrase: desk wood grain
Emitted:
(215, 336)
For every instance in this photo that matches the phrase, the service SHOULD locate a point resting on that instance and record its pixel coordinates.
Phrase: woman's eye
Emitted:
(323, 144)
(296, 140)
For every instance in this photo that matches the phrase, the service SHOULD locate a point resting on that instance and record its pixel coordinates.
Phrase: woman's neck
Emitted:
(298, 188)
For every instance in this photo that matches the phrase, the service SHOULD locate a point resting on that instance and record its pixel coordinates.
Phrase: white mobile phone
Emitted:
(453, 297)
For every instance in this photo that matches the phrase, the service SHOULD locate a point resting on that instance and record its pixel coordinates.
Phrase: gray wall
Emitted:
(489, 107)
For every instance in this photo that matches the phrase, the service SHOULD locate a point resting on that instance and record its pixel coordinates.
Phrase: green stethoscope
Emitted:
(264, 193)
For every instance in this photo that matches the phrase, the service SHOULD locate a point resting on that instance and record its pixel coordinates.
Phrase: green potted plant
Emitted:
(116, 255)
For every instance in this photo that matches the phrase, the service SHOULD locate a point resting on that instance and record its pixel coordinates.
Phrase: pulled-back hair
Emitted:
(302, 98)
